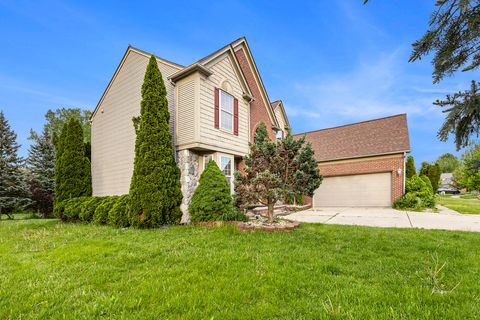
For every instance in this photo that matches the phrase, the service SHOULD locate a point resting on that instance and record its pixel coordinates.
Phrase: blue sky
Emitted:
(332, 62)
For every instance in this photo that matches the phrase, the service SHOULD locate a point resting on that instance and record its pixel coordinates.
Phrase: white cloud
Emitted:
(375, 88)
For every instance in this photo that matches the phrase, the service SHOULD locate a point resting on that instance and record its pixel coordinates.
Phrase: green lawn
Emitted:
(53, 270)
(467, 206)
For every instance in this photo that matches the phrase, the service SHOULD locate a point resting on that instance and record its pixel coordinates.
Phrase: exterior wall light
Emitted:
(399, 172)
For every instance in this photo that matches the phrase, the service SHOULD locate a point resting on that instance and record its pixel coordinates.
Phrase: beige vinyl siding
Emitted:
(222, 69)
(113, 135)
(186, 108)
(280, 119)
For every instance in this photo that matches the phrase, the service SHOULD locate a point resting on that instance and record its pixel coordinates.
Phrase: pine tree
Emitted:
(72, 167)
(410, 170)
(14, 193)
(41, 163)
(212, 196)
(155, 194)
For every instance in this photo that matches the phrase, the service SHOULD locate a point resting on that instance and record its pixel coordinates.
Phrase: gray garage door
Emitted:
(361, 190)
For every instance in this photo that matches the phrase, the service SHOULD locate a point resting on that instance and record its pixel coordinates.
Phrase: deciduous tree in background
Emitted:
(448, 163)
(155, 194)
(14, 193)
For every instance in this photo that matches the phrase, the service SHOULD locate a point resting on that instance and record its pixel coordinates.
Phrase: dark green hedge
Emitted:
(118, 215)
(101, 212)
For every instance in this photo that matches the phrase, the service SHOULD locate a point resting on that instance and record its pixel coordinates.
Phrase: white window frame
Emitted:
(279, 135)
(232, 168)
(221, 92)
(206, 159)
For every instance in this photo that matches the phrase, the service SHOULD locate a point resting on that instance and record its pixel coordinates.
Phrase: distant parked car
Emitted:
(445, 190)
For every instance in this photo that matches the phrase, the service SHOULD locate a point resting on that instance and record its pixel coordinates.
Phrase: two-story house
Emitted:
(215, 106)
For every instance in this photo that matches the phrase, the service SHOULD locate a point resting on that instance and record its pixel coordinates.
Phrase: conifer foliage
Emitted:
(41, 164)
(155, 194)
(410, 170)
(13, 187)
(212, 197)
(276, 170)
(72, 167)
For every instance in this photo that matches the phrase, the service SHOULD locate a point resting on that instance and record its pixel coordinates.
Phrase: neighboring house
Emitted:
(446, 180)
(215, 106)
(363, 163)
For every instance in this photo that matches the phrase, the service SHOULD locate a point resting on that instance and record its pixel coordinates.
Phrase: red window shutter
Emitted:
(235, 116)
(217, 108)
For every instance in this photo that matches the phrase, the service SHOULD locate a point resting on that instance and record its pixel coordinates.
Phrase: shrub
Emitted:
(101, 212)
(88, 209)
(418, 194)
(212, 197)
(118, 215)
(73, 208)
(234, 214)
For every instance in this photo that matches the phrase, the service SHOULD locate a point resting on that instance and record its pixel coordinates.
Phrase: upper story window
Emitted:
(226, 111)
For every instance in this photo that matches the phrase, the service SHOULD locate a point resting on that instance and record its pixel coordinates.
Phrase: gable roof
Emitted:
(130, 48)
(382, 136)
(201, 66)
(279, 104)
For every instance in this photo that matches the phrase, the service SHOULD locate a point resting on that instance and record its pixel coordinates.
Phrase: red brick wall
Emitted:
(258, 108)
(374, 165)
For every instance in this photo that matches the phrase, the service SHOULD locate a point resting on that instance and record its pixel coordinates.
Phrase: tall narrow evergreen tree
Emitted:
(13, 187)
(41, 164)
(410, 170)
(155, 194)
(72, 167)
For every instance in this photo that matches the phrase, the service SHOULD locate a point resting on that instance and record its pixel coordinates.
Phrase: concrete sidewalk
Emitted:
(446, 219)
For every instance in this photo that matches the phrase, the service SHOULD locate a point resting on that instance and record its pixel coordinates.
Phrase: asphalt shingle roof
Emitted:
(374, 137)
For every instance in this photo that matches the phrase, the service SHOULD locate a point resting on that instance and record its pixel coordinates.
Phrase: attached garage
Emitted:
(359, 190)
(363, 164)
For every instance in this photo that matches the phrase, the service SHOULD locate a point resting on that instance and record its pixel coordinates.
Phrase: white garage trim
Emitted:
(359, 190)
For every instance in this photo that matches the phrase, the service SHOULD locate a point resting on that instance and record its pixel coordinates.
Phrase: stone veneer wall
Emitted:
(188, 164)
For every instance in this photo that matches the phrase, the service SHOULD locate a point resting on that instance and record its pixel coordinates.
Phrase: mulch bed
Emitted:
(256, 225)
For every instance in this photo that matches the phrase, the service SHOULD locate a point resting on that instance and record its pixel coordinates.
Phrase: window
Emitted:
(279, 135)
(206, 159)
(226, 111)
(226, 165)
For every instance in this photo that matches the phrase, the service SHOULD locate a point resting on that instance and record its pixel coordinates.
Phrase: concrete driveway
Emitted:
(446, 219)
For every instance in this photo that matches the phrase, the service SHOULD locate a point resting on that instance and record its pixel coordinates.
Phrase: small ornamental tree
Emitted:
(298, 167)
(212, 197)
(274, 170)
(13, 187)
(410, 170)
(41, 163)
(72, 168)
(155, 194)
